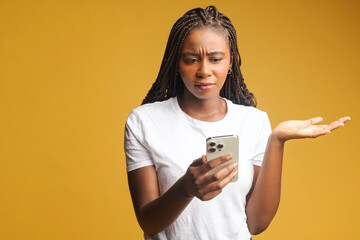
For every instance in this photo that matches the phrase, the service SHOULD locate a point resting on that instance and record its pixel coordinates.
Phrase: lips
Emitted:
(204, 86)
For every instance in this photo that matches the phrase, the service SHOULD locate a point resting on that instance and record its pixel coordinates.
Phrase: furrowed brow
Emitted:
(190, 54)
(215, 53)
(207, 54)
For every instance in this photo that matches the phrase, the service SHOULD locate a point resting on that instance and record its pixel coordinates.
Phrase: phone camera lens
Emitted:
(212, 144)
(212, 149)
(220, 146)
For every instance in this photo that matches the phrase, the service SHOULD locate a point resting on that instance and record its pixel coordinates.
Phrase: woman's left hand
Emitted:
(305, 128)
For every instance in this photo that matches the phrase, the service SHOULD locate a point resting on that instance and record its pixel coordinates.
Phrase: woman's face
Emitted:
(204, 63)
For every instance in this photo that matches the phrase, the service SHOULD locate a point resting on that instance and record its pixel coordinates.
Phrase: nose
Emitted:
(204, 69)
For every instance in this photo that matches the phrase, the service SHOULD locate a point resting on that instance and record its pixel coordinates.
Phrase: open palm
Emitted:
(306, 128)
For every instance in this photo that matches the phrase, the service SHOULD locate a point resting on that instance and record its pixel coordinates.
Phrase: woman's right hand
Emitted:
(199, 183)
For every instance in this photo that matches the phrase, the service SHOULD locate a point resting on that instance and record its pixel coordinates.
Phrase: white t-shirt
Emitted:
(161, 134)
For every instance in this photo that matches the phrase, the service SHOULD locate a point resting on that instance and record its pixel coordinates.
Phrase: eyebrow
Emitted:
(207, 54)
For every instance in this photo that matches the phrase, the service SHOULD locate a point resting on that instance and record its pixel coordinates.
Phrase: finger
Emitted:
(215, 162)
(219, 185)
(344, 119)
(338, 123)
(320, 131)
(218, 175)
(315, 120)
(210, 195)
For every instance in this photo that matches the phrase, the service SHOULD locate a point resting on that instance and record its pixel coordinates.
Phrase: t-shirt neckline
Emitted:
(200, 123)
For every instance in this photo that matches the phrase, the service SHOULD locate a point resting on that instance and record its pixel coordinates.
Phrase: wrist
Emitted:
(183, 189)
(276, 139)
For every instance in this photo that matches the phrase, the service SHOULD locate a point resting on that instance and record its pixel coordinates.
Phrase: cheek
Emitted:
(187, 72)
(222, 71)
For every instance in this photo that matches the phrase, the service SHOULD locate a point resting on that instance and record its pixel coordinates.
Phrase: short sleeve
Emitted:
(137, 155)
(263, 136)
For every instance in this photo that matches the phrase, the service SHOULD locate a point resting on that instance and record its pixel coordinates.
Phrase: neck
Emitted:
(208, 110)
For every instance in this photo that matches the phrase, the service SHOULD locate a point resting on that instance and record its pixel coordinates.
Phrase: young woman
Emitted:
(199, 93)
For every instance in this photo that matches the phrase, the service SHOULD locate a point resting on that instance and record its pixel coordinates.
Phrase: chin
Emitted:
(207, 96)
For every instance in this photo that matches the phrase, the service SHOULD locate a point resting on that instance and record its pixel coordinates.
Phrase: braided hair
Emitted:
(169, 84)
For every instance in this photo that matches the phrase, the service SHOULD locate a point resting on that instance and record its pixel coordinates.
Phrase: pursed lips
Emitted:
(204, 86)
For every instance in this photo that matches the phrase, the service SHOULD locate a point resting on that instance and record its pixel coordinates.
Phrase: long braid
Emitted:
(169, 83)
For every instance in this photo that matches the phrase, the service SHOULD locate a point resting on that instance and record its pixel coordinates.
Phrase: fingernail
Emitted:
(342, 124)
(234, 165)
(228, 157)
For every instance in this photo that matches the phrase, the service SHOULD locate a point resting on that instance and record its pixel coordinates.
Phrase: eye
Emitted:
(191, 60)
(215, 60)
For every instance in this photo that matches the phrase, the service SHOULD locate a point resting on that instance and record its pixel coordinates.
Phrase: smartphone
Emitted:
(220, 146)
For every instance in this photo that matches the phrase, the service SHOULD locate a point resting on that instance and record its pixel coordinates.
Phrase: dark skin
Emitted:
(203, 67)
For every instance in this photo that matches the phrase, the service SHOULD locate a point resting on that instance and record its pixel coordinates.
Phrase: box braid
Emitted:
(169, 83)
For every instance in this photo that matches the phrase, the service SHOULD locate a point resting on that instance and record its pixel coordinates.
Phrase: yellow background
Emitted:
(71, 71)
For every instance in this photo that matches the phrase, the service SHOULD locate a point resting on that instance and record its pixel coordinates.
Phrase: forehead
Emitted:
(205, 39)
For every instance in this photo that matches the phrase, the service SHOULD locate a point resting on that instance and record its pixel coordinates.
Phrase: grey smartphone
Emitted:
(220, 146)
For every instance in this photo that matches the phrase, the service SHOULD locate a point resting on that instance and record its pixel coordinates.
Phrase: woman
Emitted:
(199, 93)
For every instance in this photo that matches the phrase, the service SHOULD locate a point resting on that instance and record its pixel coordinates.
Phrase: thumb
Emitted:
(315, 120)
(198, 162)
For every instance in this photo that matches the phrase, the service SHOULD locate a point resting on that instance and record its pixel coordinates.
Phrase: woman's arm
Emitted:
(264, 199)
(155, 212)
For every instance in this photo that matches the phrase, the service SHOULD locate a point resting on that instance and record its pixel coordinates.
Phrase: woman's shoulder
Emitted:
(155, 106)
(152, 110)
